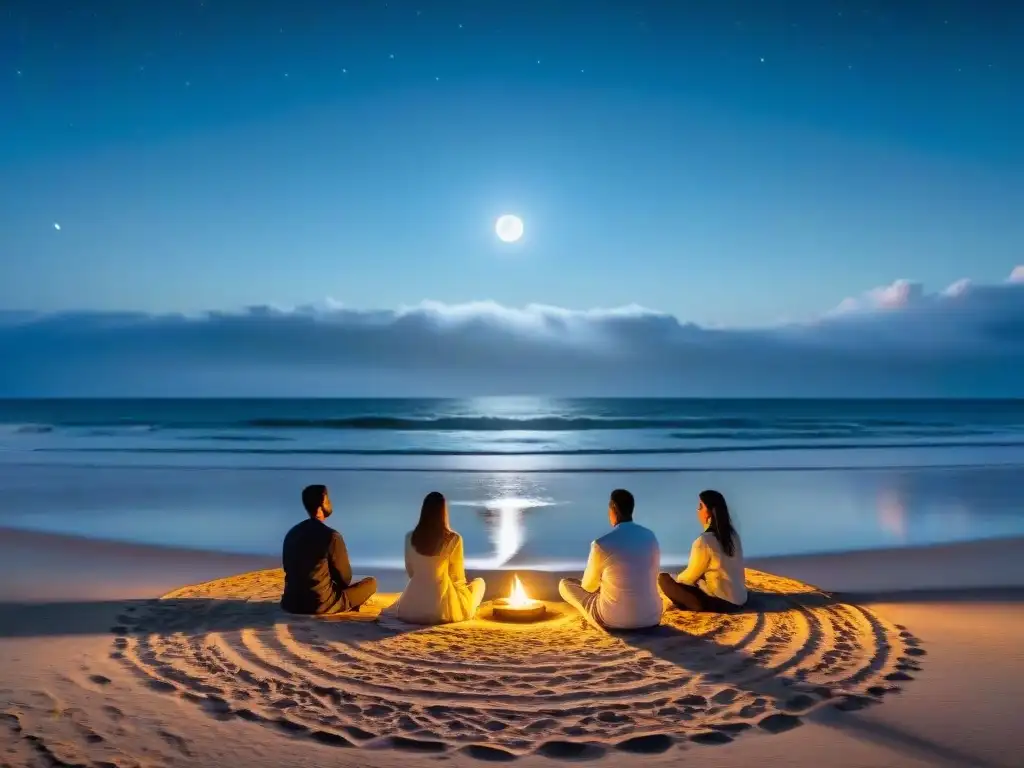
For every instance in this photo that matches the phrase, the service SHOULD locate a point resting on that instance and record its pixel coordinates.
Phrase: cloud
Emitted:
(898, 340)
(959, 288)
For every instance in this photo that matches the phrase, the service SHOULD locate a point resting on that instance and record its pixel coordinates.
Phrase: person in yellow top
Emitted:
(714, 579)
(437, 592)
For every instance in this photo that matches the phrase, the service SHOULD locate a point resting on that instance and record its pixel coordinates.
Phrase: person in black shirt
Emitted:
(317, 573)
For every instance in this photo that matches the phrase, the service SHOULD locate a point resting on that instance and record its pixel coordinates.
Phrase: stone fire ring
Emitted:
(502, 611)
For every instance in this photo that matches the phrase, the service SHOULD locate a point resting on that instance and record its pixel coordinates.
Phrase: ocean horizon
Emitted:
(527, 478)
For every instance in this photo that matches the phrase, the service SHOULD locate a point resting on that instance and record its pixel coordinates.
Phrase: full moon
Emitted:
(509, 228)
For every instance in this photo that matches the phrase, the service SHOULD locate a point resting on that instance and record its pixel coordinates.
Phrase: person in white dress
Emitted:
(714, 579)
(619, 588)
(437, 592)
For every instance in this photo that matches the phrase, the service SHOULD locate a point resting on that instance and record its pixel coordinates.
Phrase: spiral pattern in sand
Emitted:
(497, 691)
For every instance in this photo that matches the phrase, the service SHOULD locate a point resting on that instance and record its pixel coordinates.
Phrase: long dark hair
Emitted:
(721, 522)
(431, 532)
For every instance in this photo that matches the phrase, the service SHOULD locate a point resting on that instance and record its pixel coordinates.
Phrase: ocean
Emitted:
(527, 478)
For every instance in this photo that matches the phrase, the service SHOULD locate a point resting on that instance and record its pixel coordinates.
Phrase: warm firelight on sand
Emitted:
(518, 606)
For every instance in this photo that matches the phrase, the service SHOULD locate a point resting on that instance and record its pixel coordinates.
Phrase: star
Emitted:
(762, 59)
(56, 226)
(391, 56)
(19, 73)
(344, 71)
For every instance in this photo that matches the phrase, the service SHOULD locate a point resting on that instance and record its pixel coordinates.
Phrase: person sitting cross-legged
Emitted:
(438, 591)
(619, 589)
(714, 581)
(317, 572)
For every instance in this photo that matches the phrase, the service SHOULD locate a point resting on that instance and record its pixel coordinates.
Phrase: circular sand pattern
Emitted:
(496, 691)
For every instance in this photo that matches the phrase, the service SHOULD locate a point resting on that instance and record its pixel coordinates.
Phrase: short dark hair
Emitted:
(313, 498)
(624, 503)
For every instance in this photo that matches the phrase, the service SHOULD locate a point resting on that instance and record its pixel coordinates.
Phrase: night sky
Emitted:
(732, 164)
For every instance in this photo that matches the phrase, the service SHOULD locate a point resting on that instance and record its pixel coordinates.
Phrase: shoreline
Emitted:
(547, 520)
(976, 564)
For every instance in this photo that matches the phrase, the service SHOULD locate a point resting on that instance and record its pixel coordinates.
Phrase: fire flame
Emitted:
(518, 598)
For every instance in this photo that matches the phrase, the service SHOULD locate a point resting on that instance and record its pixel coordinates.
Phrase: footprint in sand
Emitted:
(653, 744)
(496, 692)
(693, 700)
(416, 745)
(358, 733)
(899, 675)
(853, 703)
(799, 703)
(613, 718)
(779, 723)
(711, 737)
(570, 750)
(725, 697)
(489, 754)
(542, 726)
(175, 741)
(332, 739)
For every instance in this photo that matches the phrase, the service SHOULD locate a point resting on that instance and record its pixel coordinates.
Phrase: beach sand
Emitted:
(913, 657)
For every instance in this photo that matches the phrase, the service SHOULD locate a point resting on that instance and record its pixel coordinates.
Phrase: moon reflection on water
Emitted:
(506, 529)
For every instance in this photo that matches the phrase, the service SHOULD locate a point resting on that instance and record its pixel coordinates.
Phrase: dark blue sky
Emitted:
(733, 163)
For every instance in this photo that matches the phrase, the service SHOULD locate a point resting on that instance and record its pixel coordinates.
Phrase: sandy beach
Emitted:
(897, 657)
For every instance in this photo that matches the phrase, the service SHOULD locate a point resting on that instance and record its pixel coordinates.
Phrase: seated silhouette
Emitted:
(437, 592)
(619, 587)
(317, 572)
(714, 580)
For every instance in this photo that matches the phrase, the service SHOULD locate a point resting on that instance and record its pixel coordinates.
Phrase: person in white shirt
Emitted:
(714, 580)
(619, 589)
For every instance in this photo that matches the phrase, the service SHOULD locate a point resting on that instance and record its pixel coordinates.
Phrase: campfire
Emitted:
(518, 606)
